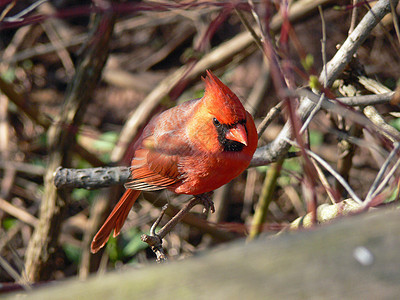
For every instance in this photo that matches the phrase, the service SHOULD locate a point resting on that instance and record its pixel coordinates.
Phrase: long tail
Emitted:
(115, 220)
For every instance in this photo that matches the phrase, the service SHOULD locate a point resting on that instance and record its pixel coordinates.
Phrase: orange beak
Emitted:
(238, 134)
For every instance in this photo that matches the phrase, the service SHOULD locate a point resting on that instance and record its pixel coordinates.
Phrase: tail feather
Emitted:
(115, 220)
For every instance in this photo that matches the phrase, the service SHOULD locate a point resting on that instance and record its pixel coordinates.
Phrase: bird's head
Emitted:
(227, 113)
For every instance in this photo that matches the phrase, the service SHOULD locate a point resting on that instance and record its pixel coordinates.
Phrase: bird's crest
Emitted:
(221, 101)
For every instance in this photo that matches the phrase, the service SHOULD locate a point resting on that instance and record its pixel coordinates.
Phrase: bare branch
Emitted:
(367, 99)
(90, 178)
(154, 240)
(19, 16)
(18, 212)
(378, 183)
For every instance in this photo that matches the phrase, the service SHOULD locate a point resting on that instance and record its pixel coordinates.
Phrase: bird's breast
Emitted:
(206, 173)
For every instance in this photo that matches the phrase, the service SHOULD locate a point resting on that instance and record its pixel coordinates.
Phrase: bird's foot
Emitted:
(207, 202)
(154, 240)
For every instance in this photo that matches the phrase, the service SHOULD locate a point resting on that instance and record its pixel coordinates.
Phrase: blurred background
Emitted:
(155, 57)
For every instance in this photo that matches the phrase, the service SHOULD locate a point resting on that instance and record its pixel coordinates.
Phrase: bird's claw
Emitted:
(207, 202)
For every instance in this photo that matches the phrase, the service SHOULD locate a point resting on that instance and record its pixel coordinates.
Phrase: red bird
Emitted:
(192, 148)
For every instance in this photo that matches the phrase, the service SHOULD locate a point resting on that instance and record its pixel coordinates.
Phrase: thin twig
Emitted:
(331, 170)
(62, 52)
(385, 180)
(323, 45)
(342, 57)
(22, 167)
(381, 172)
(19, 16)
(384, 128)
(327, 212)
(397, 198)
(257, 39)
(346, 113)
(249, 192)
(363, 100)
(18, 213)
(154, 240)
(14, 274)
(265, 199)
(8, 8)
(157, 222)
(324, 181)
(354, 13)
(312, 114)
(171, 224)
(7, 236)
(375, 189)
(255, 16)
(44, 49)
(196, 222)
(256, 96)
(395, 19)
(272, 114)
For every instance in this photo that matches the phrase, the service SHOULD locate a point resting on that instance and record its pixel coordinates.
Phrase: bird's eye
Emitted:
(216, 122)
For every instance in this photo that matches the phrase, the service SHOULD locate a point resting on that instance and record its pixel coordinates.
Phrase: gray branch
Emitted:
(92, 178)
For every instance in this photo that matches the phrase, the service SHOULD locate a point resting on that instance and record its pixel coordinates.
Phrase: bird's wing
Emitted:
(157, 161)
(154, 167)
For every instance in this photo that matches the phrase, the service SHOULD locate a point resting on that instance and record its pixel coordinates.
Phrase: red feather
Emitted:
(192, 148)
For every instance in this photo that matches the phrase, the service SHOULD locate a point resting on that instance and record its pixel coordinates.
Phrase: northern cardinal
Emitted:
(192, 148)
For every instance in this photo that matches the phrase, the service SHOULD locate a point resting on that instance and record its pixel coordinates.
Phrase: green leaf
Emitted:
(292, 165)
(395, 123)
(39, 162)
(112, 249)
(262, 169)
(198, 94)
(73, 253)
(314, 82)
(27, 64)
(106, 142)
(308, 62)
(135, 243)
(8, 75)
(80, 194)
(316, 138)
(81, 163)
(8, 223)
(42, 139)
(392, 197)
